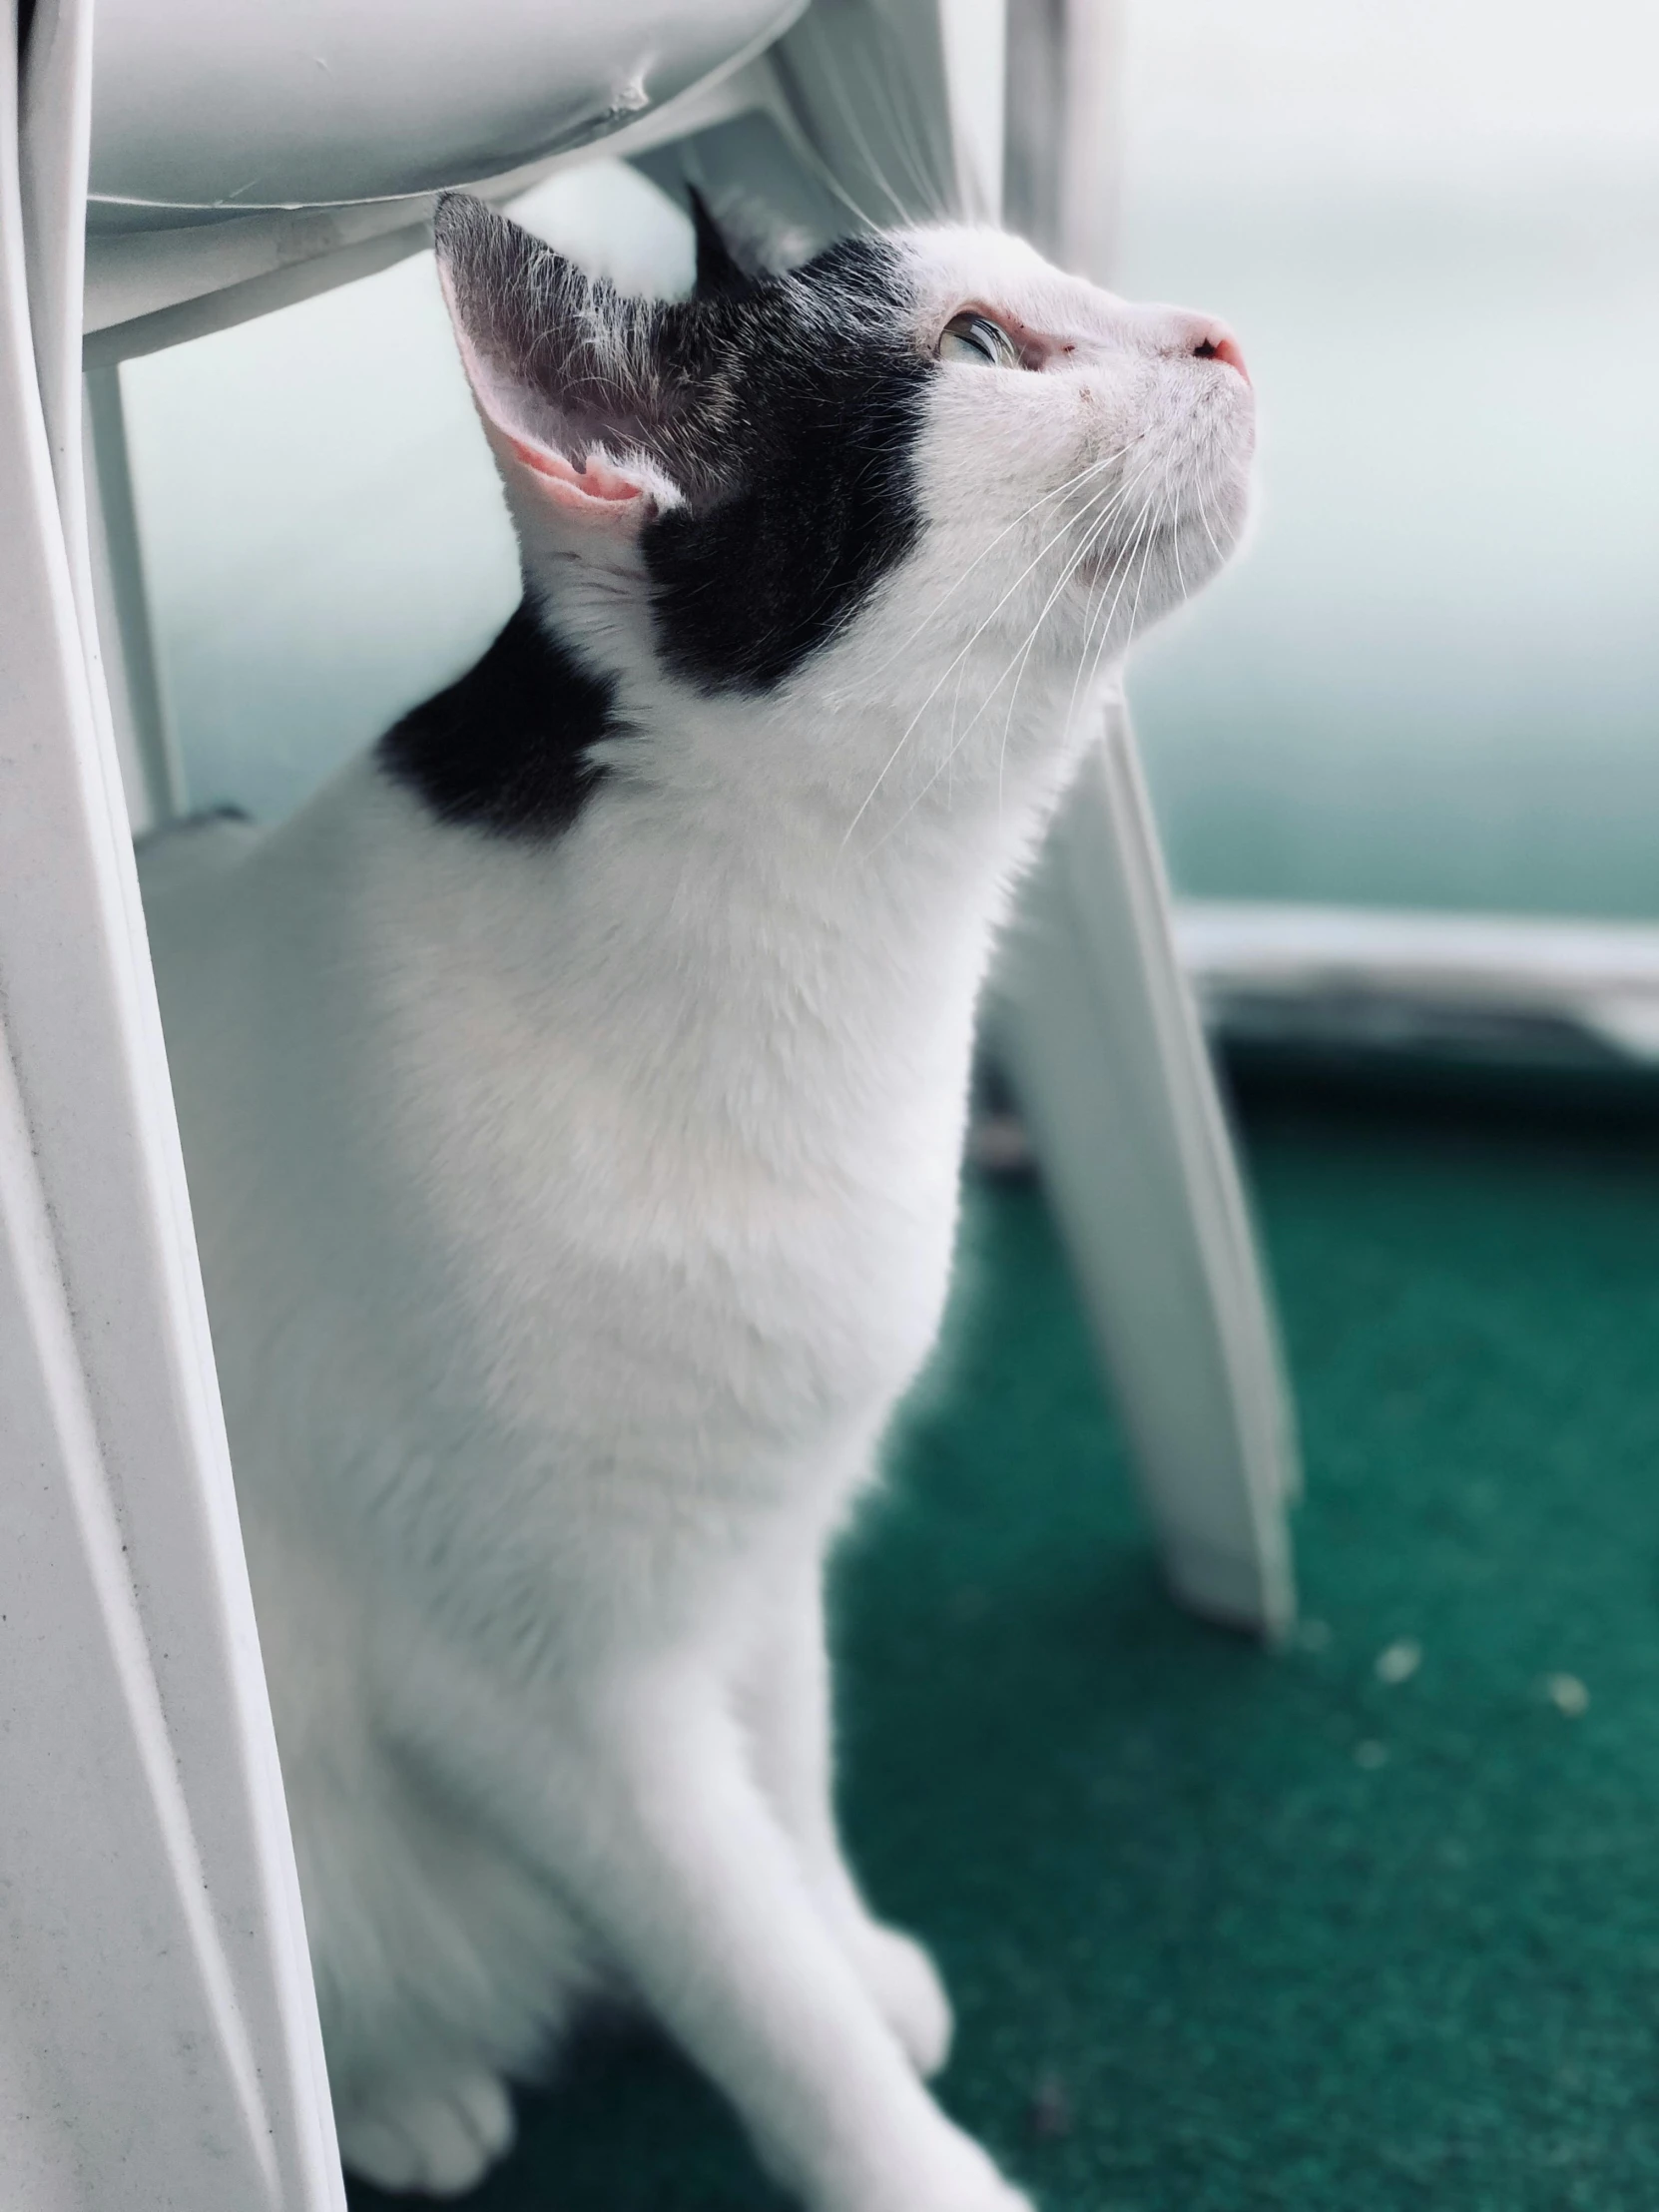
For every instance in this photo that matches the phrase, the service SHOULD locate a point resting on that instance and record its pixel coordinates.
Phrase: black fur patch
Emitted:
(785, 409)
(505, 749)
(720, 274)
(806, 495)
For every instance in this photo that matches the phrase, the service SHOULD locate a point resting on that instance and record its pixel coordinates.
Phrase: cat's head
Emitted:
(928, 453)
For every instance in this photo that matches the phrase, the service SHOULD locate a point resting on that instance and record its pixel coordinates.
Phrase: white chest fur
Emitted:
(537, 1183)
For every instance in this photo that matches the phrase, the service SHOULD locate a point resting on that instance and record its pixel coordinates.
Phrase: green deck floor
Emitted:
(1227, 1931)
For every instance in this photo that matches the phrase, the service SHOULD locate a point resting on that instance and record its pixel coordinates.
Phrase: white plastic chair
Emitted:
(158, 2026)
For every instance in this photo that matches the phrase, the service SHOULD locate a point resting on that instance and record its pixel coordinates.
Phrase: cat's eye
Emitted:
(975, 338)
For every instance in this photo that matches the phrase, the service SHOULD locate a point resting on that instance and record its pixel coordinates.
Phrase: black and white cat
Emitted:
(573, 1097)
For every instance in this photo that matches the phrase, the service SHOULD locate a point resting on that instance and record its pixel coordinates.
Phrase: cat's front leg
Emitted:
(644, 1808)
(787, 1705)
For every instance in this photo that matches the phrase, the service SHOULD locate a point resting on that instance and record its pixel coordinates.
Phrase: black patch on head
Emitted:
(784, 409)
(720, 274)
(506, 748)
(806, 495)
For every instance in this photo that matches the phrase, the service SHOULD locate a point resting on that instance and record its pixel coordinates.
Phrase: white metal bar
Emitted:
(1091, 1018)
(876, 90)
(1090, 163)
(1137, 1150)
(156, 2007)
(151, 768)
(1347, 971)
(1097, 1030)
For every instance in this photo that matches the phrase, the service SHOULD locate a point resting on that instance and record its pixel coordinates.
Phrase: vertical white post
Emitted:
(1097, 1032)
(1093, 1020)
(158, 2026)
(152, 771)
(1090, 1012)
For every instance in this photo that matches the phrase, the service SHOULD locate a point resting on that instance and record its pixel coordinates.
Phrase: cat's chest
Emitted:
(694, 1158)
(615, 1236)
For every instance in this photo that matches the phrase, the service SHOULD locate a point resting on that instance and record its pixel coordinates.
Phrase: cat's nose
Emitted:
(1203, 339)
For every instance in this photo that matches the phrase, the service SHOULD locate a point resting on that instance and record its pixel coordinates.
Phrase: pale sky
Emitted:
(1433, 679)
(1392, 81)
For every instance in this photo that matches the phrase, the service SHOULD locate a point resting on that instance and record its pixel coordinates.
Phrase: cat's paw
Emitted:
(993, 2195)
(439, 2141)
(909, 1994)
(957, 2175)
(976, 2183)
(998, 2196)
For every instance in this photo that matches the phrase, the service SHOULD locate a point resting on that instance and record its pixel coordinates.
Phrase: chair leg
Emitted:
(152, 771)
(1091, 1017)
(159, 2036)
(1092, 1021)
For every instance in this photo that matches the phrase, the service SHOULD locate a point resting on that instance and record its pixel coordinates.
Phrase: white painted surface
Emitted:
(158, 2032)
(1600, 978)
(153, 288)
(1098, 1030)
(232, 105)
(1092, 1018)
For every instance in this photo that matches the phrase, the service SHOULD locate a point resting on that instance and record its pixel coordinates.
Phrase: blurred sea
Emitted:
(1434, 681)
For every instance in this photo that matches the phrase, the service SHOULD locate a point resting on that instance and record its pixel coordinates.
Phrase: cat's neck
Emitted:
(785, 856)
(785, 902)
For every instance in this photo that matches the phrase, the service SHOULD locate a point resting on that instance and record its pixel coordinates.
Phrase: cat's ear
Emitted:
(720, 274)
(564, 371)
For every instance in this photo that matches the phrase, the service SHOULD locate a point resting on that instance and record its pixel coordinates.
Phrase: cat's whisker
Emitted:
(1073, 484)
(944, 677)
(1159, 520)
(833, 76)
(1097, 594)
(883, 86)
(1096, 532)
(1091, 540)
(1175, 542)
(1132, 547)
(955, 709)
(1097, 529)
(818, 169)
(1204, 518)
(1106, 629)
(1097, 603)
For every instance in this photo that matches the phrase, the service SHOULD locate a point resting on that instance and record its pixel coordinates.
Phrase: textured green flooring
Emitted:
(1227, 1931)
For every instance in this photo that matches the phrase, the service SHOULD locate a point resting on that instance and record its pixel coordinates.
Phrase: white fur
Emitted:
(573, 1216)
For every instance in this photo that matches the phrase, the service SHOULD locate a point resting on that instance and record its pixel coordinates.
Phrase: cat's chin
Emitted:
(1168, 556)
(1154, 568)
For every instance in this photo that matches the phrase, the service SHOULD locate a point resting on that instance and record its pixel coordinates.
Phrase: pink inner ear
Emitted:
(595, 482)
